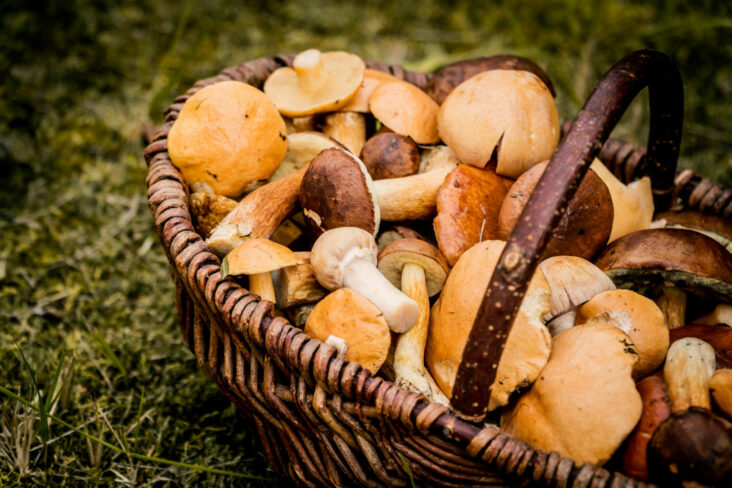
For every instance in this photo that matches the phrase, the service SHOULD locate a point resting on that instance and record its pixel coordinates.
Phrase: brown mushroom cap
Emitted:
(317, 82)
(637, 316)
(337, 191)
(716, 227)
(690, 260)
(585, 402)
(409, 250)
(353, 318)
(584, 227)
(371, 79)
(406, 110)
(468, 202)
(510, 112)
(390, 155)
(302, 147)
(450, 76)
(452, 317)
(256, 255)
(229, 135)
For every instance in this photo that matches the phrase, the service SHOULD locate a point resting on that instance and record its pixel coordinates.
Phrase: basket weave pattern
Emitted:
(324, 421)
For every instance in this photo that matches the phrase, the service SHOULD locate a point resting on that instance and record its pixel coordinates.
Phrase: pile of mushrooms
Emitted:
(372, 213)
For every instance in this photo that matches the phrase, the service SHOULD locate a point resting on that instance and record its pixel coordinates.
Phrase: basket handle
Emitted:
(525, 245)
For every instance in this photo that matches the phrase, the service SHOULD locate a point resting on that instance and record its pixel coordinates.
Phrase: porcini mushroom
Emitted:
(317, 82)
(345, 257)
(528, 344)
(405, 109)
(718, 336)
(584, 227)
(716, 227)
(356, 320)
(584, 402)
(637, 316)
(420, 270)
(390, 155)
(337, 191)
(257, 258)
(468, 202)
(228, 135)
(511, 113)
(395, 233)
(689, 366)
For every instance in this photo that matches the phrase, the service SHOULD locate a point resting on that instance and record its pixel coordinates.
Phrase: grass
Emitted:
(87, 322)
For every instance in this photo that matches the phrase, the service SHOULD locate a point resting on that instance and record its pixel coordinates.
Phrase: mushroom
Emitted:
(337, 191)
(584, 402)
(718, 336)
(208, 210)
(345, 257)
(406, 110)
(371, 79)
(633, 203)
(452, 317)
(722, 314)
(468, 202)
(507, 113)
(317, 82)
(357, 321)
(693, 446)
(302, 147)
(420, 270)
(395, 233)
(229, 136)
(390, 155)
(297, 284)
(637, 316)
(716, 227)
(584, 227)
(572, 281)
(348, 128)
(415, 197)
(452, 75)
(721, 388)
(257, 258)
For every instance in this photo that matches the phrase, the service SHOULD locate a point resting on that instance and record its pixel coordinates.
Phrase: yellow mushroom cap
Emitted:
(229, 135)
(406, 110)
(257, 255)
(510, 109)
(355, 319)
(317, 82)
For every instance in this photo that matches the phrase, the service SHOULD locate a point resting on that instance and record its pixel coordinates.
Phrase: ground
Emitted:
(87, 319)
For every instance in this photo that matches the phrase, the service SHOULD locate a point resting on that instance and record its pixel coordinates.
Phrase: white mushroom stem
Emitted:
(410, 197)
(400, 311)
(672, 303)
(348, 128)
(690, 364)
(409, 367)
(261, 284)
(309, 68)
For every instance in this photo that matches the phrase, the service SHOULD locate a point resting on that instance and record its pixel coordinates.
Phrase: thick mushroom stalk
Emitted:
(421, 271)
(690, 364)
(309, 68)
(346, 257)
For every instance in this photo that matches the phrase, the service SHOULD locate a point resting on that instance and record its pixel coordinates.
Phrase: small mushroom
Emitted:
(317, 82)
(689, 366)
(583, 229)
(509, 113)
(721, 388)
(716, 227)
(638, 317)
(208, 210)
(419, 269)
(390, 155)
(257, 258)
(302, 147)
(337, 191)
(584, 402)
(345, 257)
(407, 110)
(297, 284)
(633, 203)
(348, 128)
(395, 233)
(572, 281)
(528, 344)
(468, 202)
(357, 321)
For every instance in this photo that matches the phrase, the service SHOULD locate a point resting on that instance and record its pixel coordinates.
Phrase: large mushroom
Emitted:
(345, 257)
(584, 402)
(528, 344)
(718, 228)
(229, 136)
(420, 271)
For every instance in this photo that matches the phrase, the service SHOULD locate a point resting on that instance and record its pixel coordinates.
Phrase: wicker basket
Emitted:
(323, 421)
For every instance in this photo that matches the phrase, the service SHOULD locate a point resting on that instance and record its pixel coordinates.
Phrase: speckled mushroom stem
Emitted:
(523, 250)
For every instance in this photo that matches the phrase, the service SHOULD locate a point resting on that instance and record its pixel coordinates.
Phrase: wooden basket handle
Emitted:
(525, 245)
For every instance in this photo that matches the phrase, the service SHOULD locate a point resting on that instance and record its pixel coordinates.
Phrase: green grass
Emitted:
(87, 321)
